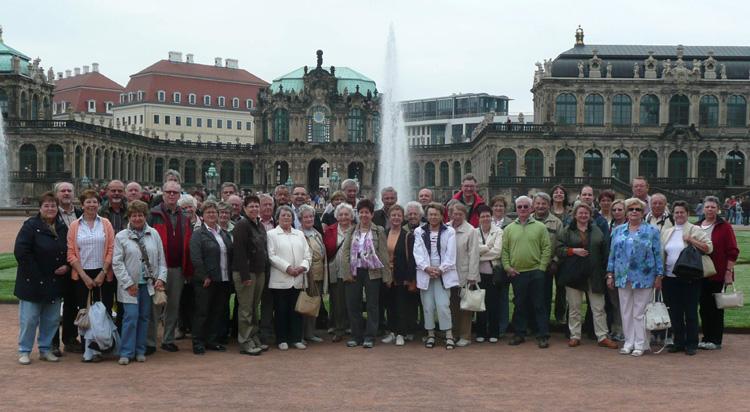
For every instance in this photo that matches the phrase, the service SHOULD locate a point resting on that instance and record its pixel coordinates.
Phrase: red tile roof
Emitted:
(78, 90)
(199, 79)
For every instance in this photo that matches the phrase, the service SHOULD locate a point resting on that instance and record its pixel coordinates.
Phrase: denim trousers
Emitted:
(37, 315)
(135, 324)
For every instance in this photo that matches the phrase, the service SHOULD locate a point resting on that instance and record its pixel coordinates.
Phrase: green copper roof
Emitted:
(347, 79)
(7, 53)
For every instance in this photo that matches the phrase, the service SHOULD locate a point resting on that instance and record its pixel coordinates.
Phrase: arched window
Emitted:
(415, 174)
(235, 103)
(735, 167)
(707, 164)
(622, 110)
(318, 125)
(207, 100)
(593, 110)
(736, 111)
(35, 107)
(355, 125)
(534, 160)
(467, 168)
(246, 172)
(444, 174)
(98, 164)
(221, 101)
(174, 164)
(189, 173)
(678, 165)
(191, 98)
(249, 104)
(161, 96)
(107, 164)
(565, 109)
(709, 112)
(27, 158)
(227, 171)
(356, 170)
(24, 105)
(78, 162)
(158, 168)
(649, 110)
(592, 163)
(3, 104)
(429, 174)
(282, 172)
(280, 125)
(565, 163)
(176, 97)
(647, 164)
(89, 163)
(621, 165)
(679, 110)
(506, 162)
(456, 174)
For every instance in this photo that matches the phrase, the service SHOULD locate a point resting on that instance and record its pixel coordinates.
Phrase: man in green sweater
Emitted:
(526, 254)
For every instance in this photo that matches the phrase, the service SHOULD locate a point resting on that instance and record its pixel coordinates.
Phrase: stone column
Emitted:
(694, 115)
(636, 110)
(607, 162)
(663, 110)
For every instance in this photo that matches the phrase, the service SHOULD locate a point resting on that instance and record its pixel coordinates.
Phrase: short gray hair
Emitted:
(173, 173)
(712, 199)
(266, 196)
(524, 199)
(349, 182)
(59, 185)
(222, 205)
(305, 209)
(342, 206)
(188, 200)
(284, 208)
(388, 189)
(544, 196)
(415, 205)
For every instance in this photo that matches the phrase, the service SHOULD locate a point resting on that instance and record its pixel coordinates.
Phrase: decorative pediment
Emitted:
(595, 65)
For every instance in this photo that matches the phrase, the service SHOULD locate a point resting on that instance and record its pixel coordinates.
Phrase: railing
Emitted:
(517, 128)
(691, 183)
(119, 134)
(36, 176)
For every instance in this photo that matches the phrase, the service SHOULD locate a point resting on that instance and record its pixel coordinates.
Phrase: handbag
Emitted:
(82, 317)
(729, 300)
(159, 298)
(708, 266)
(308, 304)
(689, 264)
(472, 300)
(657, 314)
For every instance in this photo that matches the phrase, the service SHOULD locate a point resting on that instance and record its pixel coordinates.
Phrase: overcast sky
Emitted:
(444, 47)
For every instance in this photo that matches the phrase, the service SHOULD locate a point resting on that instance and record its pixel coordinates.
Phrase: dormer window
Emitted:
(207, 100)
(249, 103)
(235, 103)
(176, 97)
(92, 106)
(122, 97)
(108, 106)
(222, 101)
(140, 95)
(191, 98)
(161, 95)
(130, 97)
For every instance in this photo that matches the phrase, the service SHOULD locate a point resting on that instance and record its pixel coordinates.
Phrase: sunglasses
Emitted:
(635, 209)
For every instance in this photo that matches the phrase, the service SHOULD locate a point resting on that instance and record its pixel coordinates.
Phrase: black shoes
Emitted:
(516, 340)
(675, 349)
(216, 347)
(543, 343)
(199, 350)
(169, 347)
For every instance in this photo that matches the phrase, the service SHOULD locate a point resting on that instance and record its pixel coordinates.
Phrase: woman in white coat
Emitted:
(137, 278)
(467, 264)
(492, 322)
(290, 258)
(435, 257)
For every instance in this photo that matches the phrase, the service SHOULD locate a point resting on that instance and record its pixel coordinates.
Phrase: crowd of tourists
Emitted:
(243, 267)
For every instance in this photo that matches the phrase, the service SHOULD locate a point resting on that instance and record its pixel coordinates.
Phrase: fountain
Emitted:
(4, 181)
(393, 167)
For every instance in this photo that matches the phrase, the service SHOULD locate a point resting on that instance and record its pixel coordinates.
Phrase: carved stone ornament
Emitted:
(595, 65)
(649, 66)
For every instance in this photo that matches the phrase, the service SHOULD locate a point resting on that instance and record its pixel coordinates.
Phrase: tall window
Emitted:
(221, 101)
(92, 106)
(235, 103)
(444, 174)
(621, 165)
(565, 109)
(318, 125)
(736, 111)
(376, 127)
(622, 110)
(355, 125)
(281, 125)
(207, 100)
(191, 98)
(565, 163)
(534, 160)
(709, 111)
(594, 110)
(161, 95)
(649, 110)
(735, 167)
(246, 172)
(679, 110)
(592, 163)
(707, 164)
(176, 97)
(647, 164)
(506, 162)
(249, 103)
(429, 174)
(678, 164)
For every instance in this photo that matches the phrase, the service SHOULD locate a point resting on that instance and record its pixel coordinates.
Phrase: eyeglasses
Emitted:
(635, 209)
(172, 192)
(523, 207)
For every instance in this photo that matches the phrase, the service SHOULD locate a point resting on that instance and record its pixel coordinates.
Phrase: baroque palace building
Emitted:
(603, 114)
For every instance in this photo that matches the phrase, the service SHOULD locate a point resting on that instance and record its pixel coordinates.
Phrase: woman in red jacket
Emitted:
(724, 257)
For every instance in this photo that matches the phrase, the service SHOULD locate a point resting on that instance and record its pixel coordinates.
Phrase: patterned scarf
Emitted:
(362, 254)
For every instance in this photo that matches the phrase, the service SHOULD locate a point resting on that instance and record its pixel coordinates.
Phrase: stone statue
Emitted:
(333, 71)
(609, 70)
(305, 69)
(580, 68)
(636, 70)
(319, 53)
(667, 67)
(696, 67)
(548, 67)
(723, 71)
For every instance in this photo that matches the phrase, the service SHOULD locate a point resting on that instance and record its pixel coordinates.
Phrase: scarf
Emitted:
(362, 254)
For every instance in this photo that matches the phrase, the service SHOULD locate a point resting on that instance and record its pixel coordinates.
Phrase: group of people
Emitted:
(406, 266)
(736, 209)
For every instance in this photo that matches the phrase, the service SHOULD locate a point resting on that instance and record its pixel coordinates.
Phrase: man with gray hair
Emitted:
(424, 197)
(542, 203)
(67, 213)
(525, 255)
(389, 197)
(133, 191)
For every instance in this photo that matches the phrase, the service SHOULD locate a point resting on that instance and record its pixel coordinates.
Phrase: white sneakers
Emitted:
(463, 342)
(389, 338)
(493, 340)
(315, 339)
(625, 351)
(123, 361)
(49, 357)
(300, 346)
(24, 359)
(283, 346)
(399, 340)
(480, 339)
(636, 353)
(708, 346)
(140, 358)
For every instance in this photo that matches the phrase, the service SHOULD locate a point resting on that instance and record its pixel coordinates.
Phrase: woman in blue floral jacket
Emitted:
(635, 267)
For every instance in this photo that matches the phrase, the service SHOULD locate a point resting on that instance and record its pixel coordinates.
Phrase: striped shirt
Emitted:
(68, 217)
(90, 242)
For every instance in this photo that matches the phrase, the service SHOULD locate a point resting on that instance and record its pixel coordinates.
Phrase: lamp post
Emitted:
(335, 179)
(86, 182)
(289, 183)
(212, 179)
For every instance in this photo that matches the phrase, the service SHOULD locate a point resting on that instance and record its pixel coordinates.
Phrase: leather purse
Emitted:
(160, 298)
(729, 300)
(472, 300)
(82, 317)
(689, 265)
(708, 266)
(308, 304)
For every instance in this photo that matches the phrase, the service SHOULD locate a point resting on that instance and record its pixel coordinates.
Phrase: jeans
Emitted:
(681, 297)
(354, 305)
(33, 315)
(529, 287)
(504, 288)
(135, 324)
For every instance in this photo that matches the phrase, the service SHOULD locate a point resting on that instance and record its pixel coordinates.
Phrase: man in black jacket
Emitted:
(65, 193)
(389, 197)
(249, 275)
